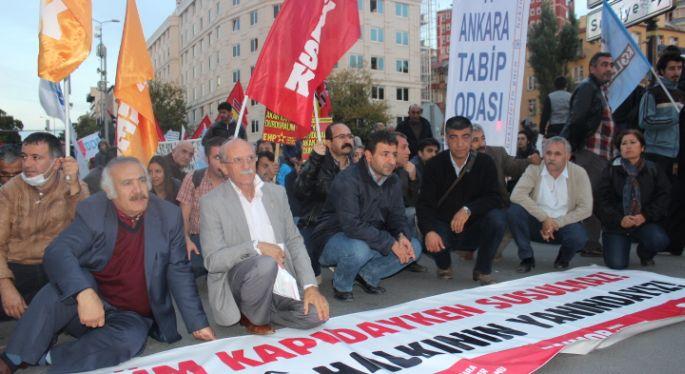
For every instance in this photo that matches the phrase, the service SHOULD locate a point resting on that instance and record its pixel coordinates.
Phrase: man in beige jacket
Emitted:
(548, 204)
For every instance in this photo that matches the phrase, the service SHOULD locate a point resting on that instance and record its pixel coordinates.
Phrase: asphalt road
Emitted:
(658, 351)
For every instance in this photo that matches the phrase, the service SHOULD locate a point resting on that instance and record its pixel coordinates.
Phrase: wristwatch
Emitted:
(467, 209)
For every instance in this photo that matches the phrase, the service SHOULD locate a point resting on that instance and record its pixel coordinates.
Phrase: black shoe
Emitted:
(591, 252)
(414, 267)
(561, 265)
(647, 262)
(367, 287)
(343, 296)
(526, 265)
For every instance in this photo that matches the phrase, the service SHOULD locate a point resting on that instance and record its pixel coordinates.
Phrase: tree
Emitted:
(350, 91)
(86, 125)
(168, 104)
(551, 48)
(9, 128)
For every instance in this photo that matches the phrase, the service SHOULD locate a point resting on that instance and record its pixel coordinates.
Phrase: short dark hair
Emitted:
(671, 49)
(666, 58)
(225, 106)
(54, 144)
(380, 136)
(215, 141)
(401, 135)
(427, 142)
(560, 82)
(597, 56)
(270, 156)
(619, 138)
(9, 152)
(458, 123)
(328, 134)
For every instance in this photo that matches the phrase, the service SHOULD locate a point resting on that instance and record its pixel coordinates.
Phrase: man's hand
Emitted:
(13, 303)
(627, 222)
(535, 159)
(408, 247)
(410, 168)
(434, 242)
(69, 168)
(319, 148)
(191, 247)
(272, 250)
(312, 296)
(401, 253)
(549, 227)
(91, 313)
(459, 220)
(205, 334)
(638, 219)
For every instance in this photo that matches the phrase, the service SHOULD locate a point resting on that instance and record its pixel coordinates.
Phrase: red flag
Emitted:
(160, 134)
(202, 127)
(304, 43)
(235, 98)
(324, 100)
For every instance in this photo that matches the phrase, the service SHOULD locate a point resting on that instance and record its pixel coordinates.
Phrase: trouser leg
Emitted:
(252, 283)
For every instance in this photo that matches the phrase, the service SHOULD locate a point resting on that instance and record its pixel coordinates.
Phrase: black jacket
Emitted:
(655, 192)
(311, 186)
(410, 188)
(222, 130)
(363, 210)
(478, 190)
(586, 113)
(426, 132)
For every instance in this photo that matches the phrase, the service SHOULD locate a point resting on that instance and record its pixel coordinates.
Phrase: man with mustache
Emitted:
(314, 181)
(224, 127)
(112, 274)
(548, 204)
(259, 271)
(179, 159)
(362, 230)
(415, 128)
(34, 208)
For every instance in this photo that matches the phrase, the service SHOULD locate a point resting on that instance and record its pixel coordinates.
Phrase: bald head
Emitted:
(183, 153)
(238, 162)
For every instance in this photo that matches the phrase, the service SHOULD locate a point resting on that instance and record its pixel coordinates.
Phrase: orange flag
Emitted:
(65, 37)
(136, 130)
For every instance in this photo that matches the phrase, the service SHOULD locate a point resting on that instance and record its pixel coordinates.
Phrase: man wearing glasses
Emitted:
(10, 162)
(415, 128)
(34, 209)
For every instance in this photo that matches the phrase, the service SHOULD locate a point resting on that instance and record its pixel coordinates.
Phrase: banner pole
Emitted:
(240, 118)
(316, 121)
(67, 120)
(658, 79)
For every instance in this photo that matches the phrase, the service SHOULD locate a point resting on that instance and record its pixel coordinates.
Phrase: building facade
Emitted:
(220, 40)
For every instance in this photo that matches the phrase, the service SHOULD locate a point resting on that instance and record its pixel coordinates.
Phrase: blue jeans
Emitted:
(312, 250)
(651, 239)
(196, 261)
(352, 257)
(524, 228)
(484, 234)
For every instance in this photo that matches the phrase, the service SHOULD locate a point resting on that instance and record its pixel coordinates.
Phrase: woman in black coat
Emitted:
(632, 203)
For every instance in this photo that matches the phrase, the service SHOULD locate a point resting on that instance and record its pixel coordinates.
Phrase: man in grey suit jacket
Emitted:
(112, 274)
(248, 235)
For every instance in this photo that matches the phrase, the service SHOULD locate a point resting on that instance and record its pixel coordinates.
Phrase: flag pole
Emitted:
(240, 118)
(67, 120)
(658, 79)
(316, 121)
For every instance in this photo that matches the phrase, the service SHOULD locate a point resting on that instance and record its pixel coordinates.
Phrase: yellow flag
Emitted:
(65, 37)
(136, 128)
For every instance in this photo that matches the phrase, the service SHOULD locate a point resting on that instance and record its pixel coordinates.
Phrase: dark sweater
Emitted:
(478, 190)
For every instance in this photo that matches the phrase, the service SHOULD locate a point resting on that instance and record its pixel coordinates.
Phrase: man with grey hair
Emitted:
(10, 162)
(112, 275)
(548, 204)
(179, 158)
(255, 257)
(415, 128)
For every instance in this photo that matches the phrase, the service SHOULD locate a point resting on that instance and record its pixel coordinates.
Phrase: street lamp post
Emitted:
(102, 84)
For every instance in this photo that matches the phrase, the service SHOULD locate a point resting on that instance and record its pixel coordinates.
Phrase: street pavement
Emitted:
(658, 351)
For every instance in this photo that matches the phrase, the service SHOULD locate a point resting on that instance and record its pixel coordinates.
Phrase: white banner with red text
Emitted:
(511, 327)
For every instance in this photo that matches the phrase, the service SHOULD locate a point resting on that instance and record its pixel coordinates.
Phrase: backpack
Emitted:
(197, 176)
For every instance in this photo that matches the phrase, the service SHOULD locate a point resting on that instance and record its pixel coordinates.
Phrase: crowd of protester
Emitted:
(103, 257)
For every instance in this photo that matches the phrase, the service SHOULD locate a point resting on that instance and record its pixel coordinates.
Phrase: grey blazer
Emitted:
(225, 239)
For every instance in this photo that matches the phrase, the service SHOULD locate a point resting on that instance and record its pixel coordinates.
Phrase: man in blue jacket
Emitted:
(362, 229)
(112, 274)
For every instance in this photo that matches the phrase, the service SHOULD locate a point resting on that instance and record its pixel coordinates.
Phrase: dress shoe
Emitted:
(561, 265)
(484, 279)
(647, 262)
(445, 273)
(414, 267)
(255, 329)
(342, 296)
(374, 290)
(526, 265)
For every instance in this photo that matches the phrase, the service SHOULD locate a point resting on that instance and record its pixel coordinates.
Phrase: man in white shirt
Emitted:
(548, 204)
(256, 260)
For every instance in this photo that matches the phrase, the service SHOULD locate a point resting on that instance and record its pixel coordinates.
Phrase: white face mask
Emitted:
(40, 179)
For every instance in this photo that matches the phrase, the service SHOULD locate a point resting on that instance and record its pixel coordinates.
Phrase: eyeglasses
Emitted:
(344, 136)
(241, 160)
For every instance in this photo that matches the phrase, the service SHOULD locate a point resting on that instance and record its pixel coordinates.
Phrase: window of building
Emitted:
(277, 9)
(360, 4)
(378, 92)
(253, 102)
(402, 10)
(236, 75)
(236, 2)
(402, 94)
(235, 23)
(254, 44)
(402, 38)
(236, 50)
(402, 66)
(377, 34)
(533, 107)
(356, 61)
(218, 81)
(377, 63)
(531, 83)
(255, 126)
(253, 17)
(376, 6)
